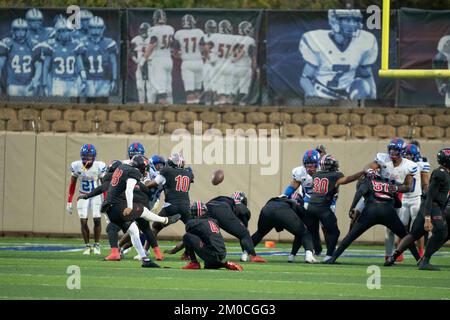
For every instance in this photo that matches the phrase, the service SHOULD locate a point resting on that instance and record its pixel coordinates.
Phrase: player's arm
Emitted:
(131, 182)
(158, 181)
(113, 59)
(407, 186)
(372, 166)
(150, 47)
(72, 186)
(240, 52)
(362, 191)
(97, 191)
(425, 180)
(349, 179)
(307, 79)
(290, 189)
(134, 53)
(176, 49)
(46, 75)
(365, 72)
(439, 62)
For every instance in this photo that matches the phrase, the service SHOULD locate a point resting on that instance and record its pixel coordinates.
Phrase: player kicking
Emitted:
(143, 84)
(244, 63)
(285, 213)
(63, 64)
(380, 208)
(20, 57)
(100, 61)
(209, 62)
(326, 184)
(203, 238)
(188, 45)
(432, 215)
(89, 171)
(411, 200)
(339, 61)
(160, 51)
(396, 170)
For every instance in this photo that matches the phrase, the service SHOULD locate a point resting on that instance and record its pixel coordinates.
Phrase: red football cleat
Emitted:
(158, 255)
(421, 252)
(400, 258)
(114, 256)
(233, 266)
(192, 265)
(257, 259)
(185, 256)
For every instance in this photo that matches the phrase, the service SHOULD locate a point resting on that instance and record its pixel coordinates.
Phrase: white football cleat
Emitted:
(88, 250)
(309, 257)
(244, 256)
(326, 258)
(291, 258)
(97, 249)
(137, 257)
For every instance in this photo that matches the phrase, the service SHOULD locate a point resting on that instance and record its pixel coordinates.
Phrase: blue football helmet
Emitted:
(157, 163)
(395, 148)
(96, 28)
(311, 161)
(134, 149)
(19, 30)
(63, 32)
(412, 152)
(85, 17)
(35, 19)
(88, 153)
(346, 22)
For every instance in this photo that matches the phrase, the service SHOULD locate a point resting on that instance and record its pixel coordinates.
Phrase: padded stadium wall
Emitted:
(34, 175)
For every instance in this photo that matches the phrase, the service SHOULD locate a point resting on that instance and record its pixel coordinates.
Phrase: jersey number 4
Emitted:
(182, 183)
(320, 185)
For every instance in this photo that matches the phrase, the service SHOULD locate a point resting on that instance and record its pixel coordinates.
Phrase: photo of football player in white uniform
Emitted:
(244, 62)
(100, 60)
(63, 64)
(146, 93)
(222, 48)
(440, 61)
(188, 45)
(209, 62)
(160, 51)
(20, 57)
(339, 61)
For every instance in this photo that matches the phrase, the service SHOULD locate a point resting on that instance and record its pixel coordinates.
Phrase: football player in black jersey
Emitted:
(285, 213)
(326, 184)
(380, 208)
(123, 211)
(431, 217)
(203, 238)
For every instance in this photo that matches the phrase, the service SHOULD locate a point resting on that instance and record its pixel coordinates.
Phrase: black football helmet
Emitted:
(328, 163)
(198, 210)
(443, 157)
(240, 197)
(141, 163)
(159, 17)
(113, 165)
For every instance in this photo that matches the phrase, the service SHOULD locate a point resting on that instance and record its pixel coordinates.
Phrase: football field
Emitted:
(38, 268)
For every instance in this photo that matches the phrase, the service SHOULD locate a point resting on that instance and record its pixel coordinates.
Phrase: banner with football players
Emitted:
(193, 56)
(49, 53)
(331, 55)
(424, 44)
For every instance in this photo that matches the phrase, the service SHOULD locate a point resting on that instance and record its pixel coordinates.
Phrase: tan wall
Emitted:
(34, 177)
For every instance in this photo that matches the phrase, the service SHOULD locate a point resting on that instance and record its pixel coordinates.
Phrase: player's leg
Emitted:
(292, 223)
(329, 222)
(82, 209)
(158, 78)
(435, 241)
(366, 220)
(95, 204)
(193, 244)
(244, 86)
(312, 223)
(133, 231)
(168, 85)
(187, 75)
(404, 214)
(264, 226)
(414, 209)
(150, 238)
(140, 85)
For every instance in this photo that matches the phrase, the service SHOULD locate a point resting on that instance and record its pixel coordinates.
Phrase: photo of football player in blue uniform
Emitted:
(100, 56)
(20, 57)
(63, 64)
(82, 34)
(35, 21)
(338, 62)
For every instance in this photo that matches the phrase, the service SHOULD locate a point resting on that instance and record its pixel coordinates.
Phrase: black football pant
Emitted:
(144, 226)
(314, 215)
(228, 222)
(372, 215)
(282, 217)
(182, 208)
(194, 245)
(439, 234)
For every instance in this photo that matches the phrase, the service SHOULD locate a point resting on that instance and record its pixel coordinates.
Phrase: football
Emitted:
(217, 177)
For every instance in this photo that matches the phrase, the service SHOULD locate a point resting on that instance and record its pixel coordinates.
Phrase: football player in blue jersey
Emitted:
(338, 62)
(82, 33)
(63, 64)
(19, 56)
(35, 21)
(100, 60)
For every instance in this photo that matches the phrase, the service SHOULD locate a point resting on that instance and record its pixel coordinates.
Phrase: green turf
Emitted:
(42, 275)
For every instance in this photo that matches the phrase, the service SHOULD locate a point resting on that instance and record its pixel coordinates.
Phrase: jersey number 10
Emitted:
(182, 183)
